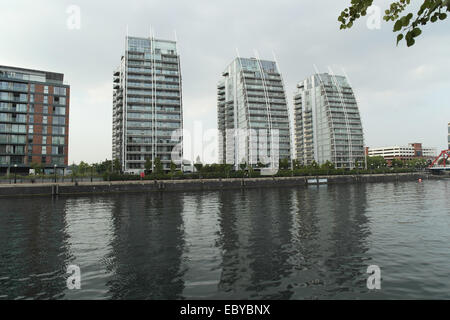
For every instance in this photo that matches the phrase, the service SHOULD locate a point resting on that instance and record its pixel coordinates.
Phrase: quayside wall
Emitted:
(69, 188)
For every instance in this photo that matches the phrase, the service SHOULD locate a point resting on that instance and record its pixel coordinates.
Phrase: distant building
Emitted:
(34, 120)
(412, 151)
(252, 102)
(147, 104)
(448, 136)
(327, 122)
(188, 166)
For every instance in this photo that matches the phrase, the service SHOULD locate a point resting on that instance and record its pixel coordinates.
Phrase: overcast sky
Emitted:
(403, 92)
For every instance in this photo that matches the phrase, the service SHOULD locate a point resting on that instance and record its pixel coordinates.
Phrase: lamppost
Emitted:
(15, 173)
(91, 172)
(54, 171)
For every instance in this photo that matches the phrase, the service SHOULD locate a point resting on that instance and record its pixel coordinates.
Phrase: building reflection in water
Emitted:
(255, 238)
(278, 243)
(89, 227)
(34, 249)
(202, 255)
(293, 243)
(346, 260)
(147, 246)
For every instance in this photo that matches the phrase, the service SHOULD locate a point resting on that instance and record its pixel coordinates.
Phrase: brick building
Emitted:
(34, 120)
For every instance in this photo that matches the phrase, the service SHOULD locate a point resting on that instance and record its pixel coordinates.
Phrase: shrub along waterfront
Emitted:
(110, 171)
(375, 165)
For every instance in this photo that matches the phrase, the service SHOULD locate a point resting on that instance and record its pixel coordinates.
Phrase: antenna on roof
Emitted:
(315, 68)
(152, 33)
(237, 52)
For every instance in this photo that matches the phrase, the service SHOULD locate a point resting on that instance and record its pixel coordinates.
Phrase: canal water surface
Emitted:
(277, 243)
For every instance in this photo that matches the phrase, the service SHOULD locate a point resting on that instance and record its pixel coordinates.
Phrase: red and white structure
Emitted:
(442, 161)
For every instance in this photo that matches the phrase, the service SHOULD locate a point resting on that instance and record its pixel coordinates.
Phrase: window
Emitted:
(44, 150)
(59, 130)
(45, 109)
(57, 140)
(44, 129)
(45, 99)
(58, 150)
(32, 87)
(30, 129)
(31, 119)
(59, 120)
(44, 120)
(59, 110)
(44, 140)
(59, 91)
(45, 89)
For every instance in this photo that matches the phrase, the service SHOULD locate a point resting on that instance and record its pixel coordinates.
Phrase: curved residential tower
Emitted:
(253, 118)
(327, 122)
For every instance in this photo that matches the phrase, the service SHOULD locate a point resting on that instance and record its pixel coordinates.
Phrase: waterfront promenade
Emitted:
(87, 187)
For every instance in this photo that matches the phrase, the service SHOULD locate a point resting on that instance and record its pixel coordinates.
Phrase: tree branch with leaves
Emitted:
(408, 25)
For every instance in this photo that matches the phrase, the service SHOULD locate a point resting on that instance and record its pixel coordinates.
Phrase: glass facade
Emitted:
(147, 104)
(252, 114)
(30, 132)
(327, 122)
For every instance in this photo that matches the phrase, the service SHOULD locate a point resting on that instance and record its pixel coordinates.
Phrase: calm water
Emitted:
(286, 243)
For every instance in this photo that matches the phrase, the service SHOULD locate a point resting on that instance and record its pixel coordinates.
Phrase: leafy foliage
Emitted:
(158, 167)
(243, 165)
(117, 168)
(148, 165)
(407, 25)
(284, 164)
(376, 162)
(198, 165)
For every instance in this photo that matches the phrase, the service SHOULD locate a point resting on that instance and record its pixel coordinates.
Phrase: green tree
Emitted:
(198, 164)
(83, 168)
(260, 164)
(408, 25)
(284, 164)
(328, 165)
(38, 167)
(173, 167)
(158, 166)
(376, 162)
(227, 169)
(243, 164)
(313, 165)
(397, 163)
(117, 167)
(148, 165)
(102, 167)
